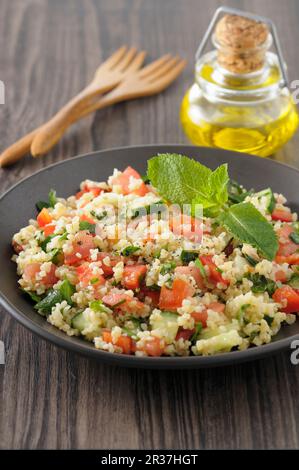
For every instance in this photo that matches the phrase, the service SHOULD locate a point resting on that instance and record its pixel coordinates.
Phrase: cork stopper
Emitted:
(242, 43)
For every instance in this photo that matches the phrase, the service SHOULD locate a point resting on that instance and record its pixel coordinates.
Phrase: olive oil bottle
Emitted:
(240, 100)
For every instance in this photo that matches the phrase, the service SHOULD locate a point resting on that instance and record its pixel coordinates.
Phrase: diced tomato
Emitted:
(124, 180)
(152, 347)
(44, 217)
(95, 191)
(17, 247)
(32, 269)
(172, 299)
(133, 275)
(113, 260)
(217, 307)
(215, 274)
(286, 245)
(79, 194)
(203, 315)
(284, 232)
(282, 214)
(49, 229)
(50, 278)
(123, 302)
(291, 259)
(191, 271)
(85, 275)
(114, 299)
(85, 218)
(124, 342)
(200, 317)
(286, 295)
(82, 245)
(86, 189)
(107, 337)
(280, 275)
(186, 226)
(185, 334)
(154, 295)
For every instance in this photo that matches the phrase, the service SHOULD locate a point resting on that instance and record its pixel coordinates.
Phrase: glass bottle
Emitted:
(240, 100)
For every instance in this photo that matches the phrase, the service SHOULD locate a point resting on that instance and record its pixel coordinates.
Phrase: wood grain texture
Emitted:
(51, 398)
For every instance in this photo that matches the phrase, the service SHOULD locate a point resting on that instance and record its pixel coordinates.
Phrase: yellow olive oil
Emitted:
(259, 138)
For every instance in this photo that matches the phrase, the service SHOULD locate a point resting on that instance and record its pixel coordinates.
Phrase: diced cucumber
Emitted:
(270, 198)
(98, 306)
(208, 333)
(223, 342)
(79, 322)
(167, 324)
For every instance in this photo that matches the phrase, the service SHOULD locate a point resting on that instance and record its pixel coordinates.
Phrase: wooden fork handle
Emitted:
(70, 113)
(18, 150)
(51, 132)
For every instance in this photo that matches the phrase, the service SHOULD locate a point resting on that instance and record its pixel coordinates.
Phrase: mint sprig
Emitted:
(248, 225)
(182, 180)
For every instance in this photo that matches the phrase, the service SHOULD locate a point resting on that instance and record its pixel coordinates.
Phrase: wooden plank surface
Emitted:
(54, 399)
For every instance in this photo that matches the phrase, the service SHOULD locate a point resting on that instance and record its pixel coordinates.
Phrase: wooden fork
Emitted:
(107, 76)
(150, 80)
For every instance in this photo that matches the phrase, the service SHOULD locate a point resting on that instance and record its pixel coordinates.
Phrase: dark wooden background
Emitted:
(51, 398)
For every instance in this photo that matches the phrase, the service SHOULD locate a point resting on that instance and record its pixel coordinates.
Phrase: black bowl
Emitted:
(17, 206)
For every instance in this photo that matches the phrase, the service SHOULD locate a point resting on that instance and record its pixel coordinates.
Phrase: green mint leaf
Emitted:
(268, 319)
(167, 267)
(44, 307)
(66, 290)
(98, 306)
(44, 243)
(262, 284)
(250, 260)
(99, 216)
(182, 180)
(41, 204)
(294, 281)
(84, 225)
(248, 225)
(218, 184)
(187, 256)
(178, 178)
(200, 266)
(196, 333)
(52, 201)
(236, 192)
(33, 296)
(52, 198)
(130, 250)
(294, 236)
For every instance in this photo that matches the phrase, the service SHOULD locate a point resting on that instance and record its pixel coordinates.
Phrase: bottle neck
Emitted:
(218, 83)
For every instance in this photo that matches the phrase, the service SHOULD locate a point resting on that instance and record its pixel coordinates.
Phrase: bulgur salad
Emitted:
(182, 261)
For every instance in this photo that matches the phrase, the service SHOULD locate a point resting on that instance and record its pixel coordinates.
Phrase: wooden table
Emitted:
(51, 398)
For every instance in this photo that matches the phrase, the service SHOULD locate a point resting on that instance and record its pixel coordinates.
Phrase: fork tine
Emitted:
(136, 62)
(168, 66)
(126, 59)
(154, 65)
(116, 56)
(163, 82)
